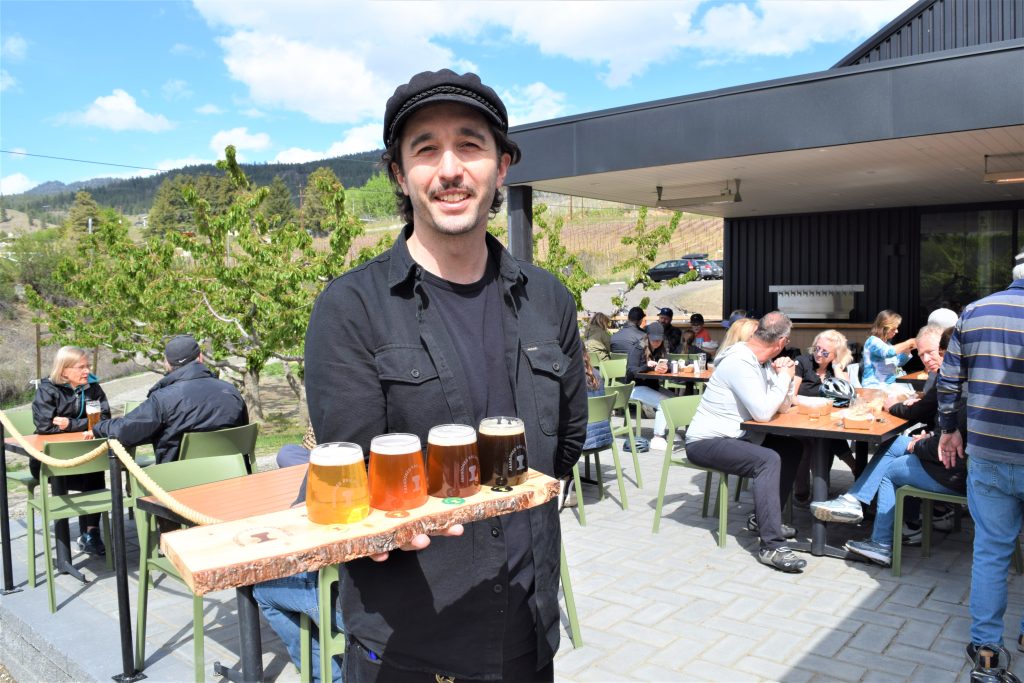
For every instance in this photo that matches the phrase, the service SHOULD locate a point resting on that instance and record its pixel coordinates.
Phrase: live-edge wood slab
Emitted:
(270, 546)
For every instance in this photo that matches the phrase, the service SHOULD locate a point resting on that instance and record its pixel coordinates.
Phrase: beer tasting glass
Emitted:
(502, 447)
(453, 467)
(92, 413)
(336, 492)
(398, 480)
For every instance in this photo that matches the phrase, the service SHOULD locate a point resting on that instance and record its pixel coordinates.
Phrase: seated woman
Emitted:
(931, 343)
(881, 359)
(598, 340)
(687, 344)
(827, 357)
(59, 406)
(740, 331)
(649, 355)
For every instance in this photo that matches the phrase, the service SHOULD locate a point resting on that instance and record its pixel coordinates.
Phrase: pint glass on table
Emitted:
(92, 413)
(337, 492)
(398, 480)
(502, 448)
(453, 468)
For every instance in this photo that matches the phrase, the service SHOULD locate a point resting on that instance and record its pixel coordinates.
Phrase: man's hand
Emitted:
(61, 423)
(951, 447)
(785, 367)
(421, 541)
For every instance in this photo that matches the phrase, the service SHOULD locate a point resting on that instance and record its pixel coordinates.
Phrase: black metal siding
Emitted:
(878, 249)
(945, 25)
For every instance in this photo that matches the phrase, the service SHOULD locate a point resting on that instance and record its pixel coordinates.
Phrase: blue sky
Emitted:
(159, 85)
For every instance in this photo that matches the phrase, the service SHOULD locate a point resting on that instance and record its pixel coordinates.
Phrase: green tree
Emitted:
(84, 209)
(242, 283)
(3, 210)
(556, 258)
(376, 198)
(37, 256)
(171, 211)
(278, 206)
(317, 203)
(646, 242)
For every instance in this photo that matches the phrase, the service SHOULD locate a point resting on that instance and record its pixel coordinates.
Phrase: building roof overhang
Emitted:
(904, 132)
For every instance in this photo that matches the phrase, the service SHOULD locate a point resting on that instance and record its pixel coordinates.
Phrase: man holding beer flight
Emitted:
(447, 327)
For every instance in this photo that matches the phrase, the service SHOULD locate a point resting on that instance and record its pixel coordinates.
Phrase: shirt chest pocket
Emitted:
(407, 365)
(548, 364)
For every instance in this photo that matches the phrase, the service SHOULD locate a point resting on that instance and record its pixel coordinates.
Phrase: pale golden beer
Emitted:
(92, 413)
(501, 445)
(336, 492)
(453, 467)
(398, 480)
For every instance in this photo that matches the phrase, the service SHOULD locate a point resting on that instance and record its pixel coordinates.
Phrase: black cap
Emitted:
(431, 87)
(181, 350)
(655, 331)
(666, 311)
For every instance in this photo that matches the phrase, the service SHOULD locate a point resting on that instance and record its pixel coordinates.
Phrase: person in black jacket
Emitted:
(847, 507)
(59, 406)
(189, 398)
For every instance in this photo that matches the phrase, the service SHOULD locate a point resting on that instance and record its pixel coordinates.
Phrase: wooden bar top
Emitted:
(282, 543)
(39, 441)
(678, 376)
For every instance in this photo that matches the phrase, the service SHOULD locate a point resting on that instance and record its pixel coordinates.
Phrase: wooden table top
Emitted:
(795, 424)
(238, 498)
(39, 441)
(678, 376)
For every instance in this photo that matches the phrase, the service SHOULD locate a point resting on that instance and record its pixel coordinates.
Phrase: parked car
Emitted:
(716, 269)
(705, 271)
(666, 270)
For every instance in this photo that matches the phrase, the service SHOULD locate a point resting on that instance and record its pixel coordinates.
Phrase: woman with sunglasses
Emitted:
(828, 356)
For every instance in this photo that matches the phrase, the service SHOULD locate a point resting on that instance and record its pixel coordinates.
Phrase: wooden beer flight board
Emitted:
(270, 546)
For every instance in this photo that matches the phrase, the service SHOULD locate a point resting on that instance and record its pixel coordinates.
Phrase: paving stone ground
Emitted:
(671, 606)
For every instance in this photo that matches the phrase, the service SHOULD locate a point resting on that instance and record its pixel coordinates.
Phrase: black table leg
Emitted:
(249, 636)
(62, 537)
(128, 672)
(5, 519)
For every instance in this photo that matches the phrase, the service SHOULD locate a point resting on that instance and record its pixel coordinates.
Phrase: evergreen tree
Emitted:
(317, 200)
(84, 208)
(278, 206)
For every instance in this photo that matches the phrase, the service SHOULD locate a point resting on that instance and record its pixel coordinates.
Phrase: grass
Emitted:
(270, 441)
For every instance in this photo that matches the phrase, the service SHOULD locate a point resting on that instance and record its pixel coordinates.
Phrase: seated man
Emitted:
(188, 399)
(631, 333)
(673, 335)
(701, 336)
(748, 385)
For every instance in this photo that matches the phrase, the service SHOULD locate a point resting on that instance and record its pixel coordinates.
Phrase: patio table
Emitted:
(229, 500)
(819, 432)
(914, 379)
(692, 377)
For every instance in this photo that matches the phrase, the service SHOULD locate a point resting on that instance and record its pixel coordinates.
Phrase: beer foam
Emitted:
(395, 444)
(452, 435)
(336, 454)
(501, 426)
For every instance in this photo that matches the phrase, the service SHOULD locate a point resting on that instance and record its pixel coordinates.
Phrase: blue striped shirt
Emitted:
(987, 352)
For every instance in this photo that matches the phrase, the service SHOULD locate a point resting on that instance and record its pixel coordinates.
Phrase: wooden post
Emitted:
(95, 359)
(39, 351)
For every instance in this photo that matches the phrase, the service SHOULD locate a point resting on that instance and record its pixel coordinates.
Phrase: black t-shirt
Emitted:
(810, 381)
(472, 316)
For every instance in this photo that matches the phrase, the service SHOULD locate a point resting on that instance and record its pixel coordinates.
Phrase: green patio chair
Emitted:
(623, 401)
(53, 507)
(618, 356)
(927, 498)
(679, 412)
(171, 476)
(222, 442)
(570, 601)
(23, 422)
(613, 371)
(331, 639)
(599, 409)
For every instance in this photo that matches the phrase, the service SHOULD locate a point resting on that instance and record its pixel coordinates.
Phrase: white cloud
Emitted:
(297, 155)
(7, 81)
(533, 102)
(14, 48)
(118, 111)
(359, 139)
(171, 164)
(176, 89)
(16, 183)
(185, 50)
(209, 109)
(241, 138)
(253, 113)
(18, 152)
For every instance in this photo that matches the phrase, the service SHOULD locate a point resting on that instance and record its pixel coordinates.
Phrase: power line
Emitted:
(80, 161)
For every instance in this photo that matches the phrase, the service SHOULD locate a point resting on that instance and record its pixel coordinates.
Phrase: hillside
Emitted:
(135, 195)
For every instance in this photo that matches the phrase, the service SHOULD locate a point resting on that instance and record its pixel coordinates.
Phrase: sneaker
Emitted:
(990, 664)
(787, 531)
(943, 520)
(658, 444)
(912, 536)
(845, 509)
(876, 552)
(91, 543)
(783, 559)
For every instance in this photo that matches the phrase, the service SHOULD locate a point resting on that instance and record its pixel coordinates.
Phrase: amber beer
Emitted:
(398, 479)
(92, 413)
(502, 448)
(453, 467)
(337, 492)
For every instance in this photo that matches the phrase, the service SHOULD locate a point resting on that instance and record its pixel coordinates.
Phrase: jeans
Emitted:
(770, 467)
(866, 486)
(903, 470)
(282, 601)
(995, 496)
(652, 398)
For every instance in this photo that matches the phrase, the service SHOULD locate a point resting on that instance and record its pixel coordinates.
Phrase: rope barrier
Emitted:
(127, 461)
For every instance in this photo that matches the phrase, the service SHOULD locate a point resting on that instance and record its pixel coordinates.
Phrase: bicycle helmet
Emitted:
(839, 390)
